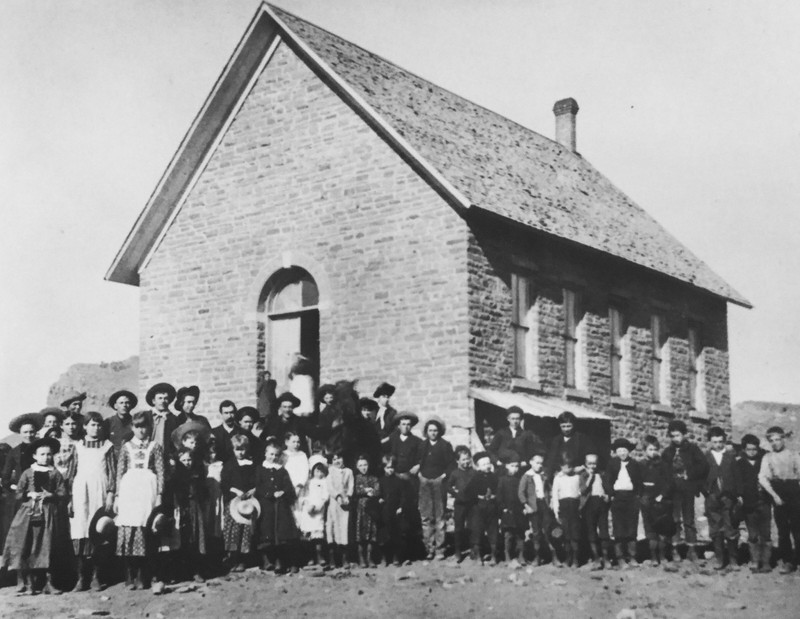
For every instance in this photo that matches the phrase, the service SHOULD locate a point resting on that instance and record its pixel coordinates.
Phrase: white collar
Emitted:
(244, 462)
(41, 469)
(272, 465)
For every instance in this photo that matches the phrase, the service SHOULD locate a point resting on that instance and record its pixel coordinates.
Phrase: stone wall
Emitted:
(496, 249)
(299, 179)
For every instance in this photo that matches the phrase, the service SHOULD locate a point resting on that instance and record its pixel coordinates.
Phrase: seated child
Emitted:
(534, 495)
(367, 496)
(481, 495)
(189, 492)
(277, 530)
(33, 532)
(656, 500)
(456, 485)
(337, 524)
(624, 485)
(512, 519)
(238, 479)
(395, 512)
(313, 502)
(595, 512)
(756, 505)
(565, 499)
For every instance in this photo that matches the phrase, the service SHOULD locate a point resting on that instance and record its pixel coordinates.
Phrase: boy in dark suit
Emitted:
(756, 505)
(481, 493)
(512, 520)
(720, 490)
(594, 511)
(624, 485)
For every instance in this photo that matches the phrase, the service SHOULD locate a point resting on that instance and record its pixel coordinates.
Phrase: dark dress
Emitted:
(33, 539)
(362, 438)
(276, 525)
(367, 507)
(393, 526)
(238, 536)
(190, 495)
(17, 460)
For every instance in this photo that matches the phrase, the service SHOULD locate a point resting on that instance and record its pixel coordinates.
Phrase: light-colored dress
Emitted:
(216, 503)
(313, 503)
(340, 484)
(95, 476)
(64, 460)
(296, 464)
(140, 479)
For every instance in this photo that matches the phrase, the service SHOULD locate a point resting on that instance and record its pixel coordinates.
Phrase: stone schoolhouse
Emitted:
(326, 201)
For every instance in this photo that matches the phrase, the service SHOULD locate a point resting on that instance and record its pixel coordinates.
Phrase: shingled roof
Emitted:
(488, 162)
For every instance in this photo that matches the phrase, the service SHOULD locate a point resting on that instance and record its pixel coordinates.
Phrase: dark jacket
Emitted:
(524, 444)
(458, 482)
(278, 427)
(407, 453)
(222, 442)
(577, 447)
(388, 424)
(482, 489)
(171, 422)
(749, 489)
(693, 464)
(722, 479)
(276, 524)
(18, 460)
(612, 473)
(436, 460)
(511, 515)
(657, 478)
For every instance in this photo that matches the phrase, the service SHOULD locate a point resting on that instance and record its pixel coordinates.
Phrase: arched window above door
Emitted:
(293, 290)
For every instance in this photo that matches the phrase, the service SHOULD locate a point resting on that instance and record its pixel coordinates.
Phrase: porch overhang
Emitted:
(538, 406)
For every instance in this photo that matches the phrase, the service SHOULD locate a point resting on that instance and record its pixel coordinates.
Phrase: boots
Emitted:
(129, 574)
(766, 556)
(755, 556)
(362, 557)
(370, 554)
(81, 584)
(691, 554)
(22, 582)
(605, 549)
(507, 546)
(49, 587)
(632, 562)
(719, 562)
(96, 584)
(733, 554)
(475, 554)
(332, 556)
(320, 555)
(619, 554)
(537, 552)
(493, 556)
(654, 558)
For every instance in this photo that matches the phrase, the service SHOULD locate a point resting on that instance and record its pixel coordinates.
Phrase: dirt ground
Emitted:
(443, 590)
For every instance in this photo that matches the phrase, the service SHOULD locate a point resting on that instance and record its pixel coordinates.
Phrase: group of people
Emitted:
(172, 497)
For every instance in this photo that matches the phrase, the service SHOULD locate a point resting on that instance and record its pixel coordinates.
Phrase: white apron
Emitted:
(138, 489)
(88, 488)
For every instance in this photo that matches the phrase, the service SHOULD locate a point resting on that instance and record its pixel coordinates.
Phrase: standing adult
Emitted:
(18, 460)
(514, 439)
(286, 421)
(118, 428)
(158, 398)
(225, 431)
(385, 415)
(436, 462)
(266, 393)
(73, 404)
(571, 443)
(407, 451)
(362, 438)
(186, 400)
(52, 417)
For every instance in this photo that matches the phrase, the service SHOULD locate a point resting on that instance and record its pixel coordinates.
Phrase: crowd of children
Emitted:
(173, 498)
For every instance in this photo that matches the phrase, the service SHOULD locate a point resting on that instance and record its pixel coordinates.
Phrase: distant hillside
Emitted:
(755, 417)
(98, 380)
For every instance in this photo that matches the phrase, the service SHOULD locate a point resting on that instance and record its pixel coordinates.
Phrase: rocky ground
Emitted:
(443, 590)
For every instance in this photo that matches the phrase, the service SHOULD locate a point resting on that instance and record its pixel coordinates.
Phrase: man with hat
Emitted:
(159, 397)
(572, 443)
(435, 463)
(405, 447)
(514, 439)
(20, 457)
(385, 415)
(117, 428)
(185, 403)
(286, 421)
(74, 402)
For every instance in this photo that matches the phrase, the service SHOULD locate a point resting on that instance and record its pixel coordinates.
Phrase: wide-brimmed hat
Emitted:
(622, 442)
(480, 455)
(288, 396)
(159, 388)
(112, 399)
(35, 419)
(192, 390)
(52, 410)
(102, 528)
(369, 404)
(189, 426)
(384, 389)
(433, 419)
(73, 397)
(325, 390)
(53, 443)
(406, 415)
(252, 411)
(159, 521)
(245, 511)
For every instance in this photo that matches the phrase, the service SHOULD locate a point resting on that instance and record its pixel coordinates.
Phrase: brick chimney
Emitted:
(565, 111)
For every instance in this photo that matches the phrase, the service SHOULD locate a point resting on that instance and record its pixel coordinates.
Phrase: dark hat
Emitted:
(159, 388)
(15, 425)
(384, 389)
(189, 426)
(102, 528)
(406, 415)
(676, 425)
(53, 443)
(622, 442)
(194, 391)
(72, 397)
(159, 521)
(288, 396)
(325, 390)
(112, 399)
(368, 403)
(508, 456)
(248, 410)
(52, 410)
(433, 419)
(480, 455)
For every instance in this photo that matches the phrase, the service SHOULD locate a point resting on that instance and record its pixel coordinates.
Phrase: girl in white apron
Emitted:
(92, 489)
(140, 480)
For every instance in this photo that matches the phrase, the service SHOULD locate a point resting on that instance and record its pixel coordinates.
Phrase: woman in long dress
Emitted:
(92, 489)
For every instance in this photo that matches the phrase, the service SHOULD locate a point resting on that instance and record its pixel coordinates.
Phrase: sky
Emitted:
(689, 107)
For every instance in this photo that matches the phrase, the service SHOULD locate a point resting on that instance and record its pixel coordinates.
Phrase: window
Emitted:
(697, 369)
(660, 361)
(574, 339)
(523, 325)
(620, 355)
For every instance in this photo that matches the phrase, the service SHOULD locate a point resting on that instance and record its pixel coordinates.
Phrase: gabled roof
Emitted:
(474, 158)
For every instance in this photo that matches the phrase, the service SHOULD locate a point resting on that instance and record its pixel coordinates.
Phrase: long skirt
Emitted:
(132, 542)
(29, 545)
(238, 537)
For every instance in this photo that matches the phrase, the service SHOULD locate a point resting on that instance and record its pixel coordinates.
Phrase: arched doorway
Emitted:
(288, 324)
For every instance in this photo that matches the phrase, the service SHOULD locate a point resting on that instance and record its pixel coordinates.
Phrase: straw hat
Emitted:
(102, 528)
(35, 419)
(245, 511)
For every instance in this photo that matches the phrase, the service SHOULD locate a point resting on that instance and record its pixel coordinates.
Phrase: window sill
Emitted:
(618, 402)
(523, 384)
(700, 416)
(662, 409)
(577, 394)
